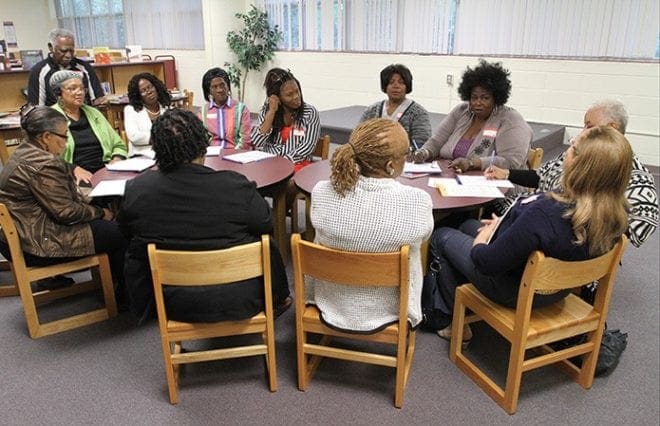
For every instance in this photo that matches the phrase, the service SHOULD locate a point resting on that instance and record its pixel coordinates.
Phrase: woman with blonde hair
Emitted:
(364, 209)
(583, 221)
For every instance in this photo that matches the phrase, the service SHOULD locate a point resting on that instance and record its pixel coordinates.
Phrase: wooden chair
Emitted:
(360, 270)
(322, 150)
(526, 328)
(534, 157)
(214, 267)
(23, 277)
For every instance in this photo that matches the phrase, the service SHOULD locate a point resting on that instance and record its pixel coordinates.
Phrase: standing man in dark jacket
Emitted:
(61, 56)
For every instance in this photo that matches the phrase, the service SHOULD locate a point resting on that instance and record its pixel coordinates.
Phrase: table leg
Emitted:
(309, 229)
(279, 225)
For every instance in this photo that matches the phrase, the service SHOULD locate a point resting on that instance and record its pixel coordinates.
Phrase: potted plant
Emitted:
(254, 45)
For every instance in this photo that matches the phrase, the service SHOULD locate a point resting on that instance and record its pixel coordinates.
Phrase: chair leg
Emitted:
(405, 350)
(270, 355)
(589, 360)
(513, 377)
(170, 373)
(301, 339)
(102, 275)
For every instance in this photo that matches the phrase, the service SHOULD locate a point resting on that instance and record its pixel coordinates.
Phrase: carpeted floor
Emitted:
(112, 373)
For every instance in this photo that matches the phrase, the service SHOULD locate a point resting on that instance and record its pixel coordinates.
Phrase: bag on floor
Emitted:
(433, 317)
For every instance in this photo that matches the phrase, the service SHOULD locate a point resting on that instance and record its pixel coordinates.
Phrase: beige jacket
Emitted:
(51, 216)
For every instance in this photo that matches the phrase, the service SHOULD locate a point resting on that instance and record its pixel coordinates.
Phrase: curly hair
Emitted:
(275, 79)
(209, 76)
(36, 120)
(614, 111)
(178, 136)
(368, 150)
(594, 186)
(134, 97)
(489, 76)
(387, 73)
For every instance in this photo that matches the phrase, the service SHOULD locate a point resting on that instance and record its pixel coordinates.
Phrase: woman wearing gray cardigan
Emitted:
(482, 130)
(396, 83)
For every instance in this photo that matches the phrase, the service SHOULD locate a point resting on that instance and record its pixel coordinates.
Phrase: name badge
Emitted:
(530, 199)
(298, 132)
(211, 115)
(490, 133)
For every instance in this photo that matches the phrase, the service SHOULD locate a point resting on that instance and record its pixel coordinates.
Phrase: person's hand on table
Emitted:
(487, 230)
(115, 159)
(420, 156)
(460, 165)
(103, 100)
(494, 172)
(82, 175)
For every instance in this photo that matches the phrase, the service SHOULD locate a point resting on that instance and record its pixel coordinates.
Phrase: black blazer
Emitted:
(195, 208)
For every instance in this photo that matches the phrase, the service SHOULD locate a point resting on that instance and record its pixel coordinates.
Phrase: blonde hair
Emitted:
(370, 147)
(594, 184)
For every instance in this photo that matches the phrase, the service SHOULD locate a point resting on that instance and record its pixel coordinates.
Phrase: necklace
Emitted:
(151, 113)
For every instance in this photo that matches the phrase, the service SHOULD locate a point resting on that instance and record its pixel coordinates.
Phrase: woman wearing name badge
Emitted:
(583, 221)
(54, 222)
(174, 208)
(364, 209)
(92, 141)
(148, 98)
(396, 82)
(227, 119)
(481, 125)
(287, 125)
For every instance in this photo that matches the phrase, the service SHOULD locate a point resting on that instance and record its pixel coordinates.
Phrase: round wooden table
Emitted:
(270, 175)
(306, 178)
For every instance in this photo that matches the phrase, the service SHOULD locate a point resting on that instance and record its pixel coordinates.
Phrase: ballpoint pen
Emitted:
(415, 145)
(492, 157)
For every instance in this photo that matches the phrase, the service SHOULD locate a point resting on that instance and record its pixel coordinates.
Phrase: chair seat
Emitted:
(575, 316)
(312, 321)
(180, 330)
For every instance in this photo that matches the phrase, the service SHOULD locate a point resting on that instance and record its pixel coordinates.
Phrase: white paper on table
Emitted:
(135, 164)
(144, 152)
(483, 181)
(109, 187)
(432, 167)
(449, 187)
(213, 151)
(248, 157)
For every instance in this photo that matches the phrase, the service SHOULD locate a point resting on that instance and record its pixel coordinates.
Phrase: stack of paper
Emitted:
(432, 167)
(248, 157)
(135, 164)
(213, 151)
(483, 181)
(109, 187)
(450, 187)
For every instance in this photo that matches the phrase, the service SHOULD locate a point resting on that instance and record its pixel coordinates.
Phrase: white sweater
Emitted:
(138, 129)
(380, 215)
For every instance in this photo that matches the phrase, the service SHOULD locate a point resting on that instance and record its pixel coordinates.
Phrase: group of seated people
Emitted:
(585, 199)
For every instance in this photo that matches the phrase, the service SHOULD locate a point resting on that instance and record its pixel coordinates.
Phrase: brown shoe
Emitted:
(445, 333)
(283, 307)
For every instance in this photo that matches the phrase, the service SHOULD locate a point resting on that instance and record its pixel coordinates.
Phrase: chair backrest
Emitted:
(322, 148)
(187, 101)
(210, 267)
(351, 268)
(11, 235)
(543, 274)
(534, 157)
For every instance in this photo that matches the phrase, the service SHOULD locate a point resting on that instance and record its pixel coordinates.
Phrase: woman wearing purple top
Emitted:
(480, 126)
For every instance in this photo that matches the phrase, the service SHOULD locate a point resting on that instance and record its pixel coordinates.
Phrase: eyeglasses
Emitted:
(74, 89)
(147, 90)
(59, 134)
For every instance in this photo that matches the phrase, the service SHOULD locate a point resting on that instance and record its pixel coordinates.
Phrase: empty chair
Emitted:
(526, 328)
(353, 269)
(213, 267)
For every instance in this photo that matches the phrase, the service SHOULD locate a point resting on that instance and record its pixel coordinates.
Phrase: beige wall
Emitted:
(33, 20)
(552, 91)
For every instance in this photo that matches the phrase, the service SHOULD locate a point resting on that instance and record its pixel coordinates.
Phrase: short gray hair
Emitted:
(60, 33)
(614, 111)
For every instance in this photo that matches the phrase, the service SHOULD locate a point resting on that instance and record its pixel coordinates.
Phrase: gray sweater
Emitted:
(415, 120)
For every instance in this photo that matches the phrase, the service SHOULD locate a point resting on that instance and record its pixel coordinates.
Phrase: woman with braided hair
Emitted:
(364, 209)
(175, 208)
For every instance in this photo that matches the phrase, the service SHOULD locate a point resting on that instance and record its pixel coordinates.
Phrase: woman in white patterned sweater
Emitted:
(364, 209)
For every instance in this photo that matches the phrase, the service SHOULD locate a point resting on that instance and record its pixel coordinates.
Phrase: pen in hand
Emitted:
(492, 157)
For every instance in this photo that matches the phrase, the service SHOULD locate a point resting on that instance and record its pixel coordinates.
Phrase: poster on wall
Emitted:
(10, 33)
